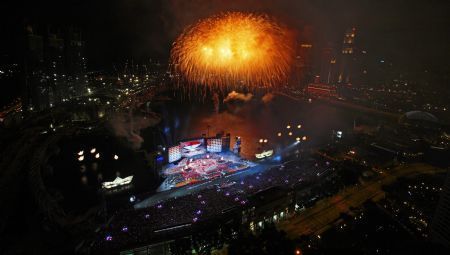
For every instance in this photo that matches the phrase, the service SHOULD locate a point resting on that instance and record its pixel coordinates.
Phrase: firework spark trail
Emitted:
(234, 50)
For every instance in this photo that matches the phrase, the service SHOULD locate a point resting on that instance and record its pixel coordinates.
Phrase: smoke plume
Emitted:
(236, 96)
(129, 126)
(267, 98)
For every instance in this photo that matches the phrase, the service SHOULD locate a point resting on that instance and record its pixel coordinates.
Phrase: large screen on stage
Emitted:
(214, 144)
(174, 153)
(192, 147)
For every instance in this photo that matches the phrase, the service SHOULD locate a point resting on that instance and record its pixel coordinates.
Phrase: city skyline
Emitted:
(225, 127)
(135, 36)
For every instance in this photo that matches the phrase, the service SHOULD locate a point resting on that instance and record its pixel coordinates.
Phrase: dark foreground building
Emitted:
(440, 228)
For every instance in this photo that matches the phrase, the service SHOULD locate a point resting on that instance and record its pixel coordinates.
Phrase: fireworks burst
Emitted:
(234, 50)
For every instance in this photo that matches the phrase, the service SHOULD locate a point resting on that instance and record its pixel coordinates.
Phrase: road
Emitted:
(321, 216)
(346, 104)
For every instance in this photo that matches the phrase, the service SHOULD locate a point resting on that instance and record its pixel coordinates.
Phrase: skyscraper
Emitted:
(54, 65)
(303, 71)
(75, 62)
(328, 65)
(303, 64)
(75, 53)
(348, 57)
(54, 58)
(33, 68)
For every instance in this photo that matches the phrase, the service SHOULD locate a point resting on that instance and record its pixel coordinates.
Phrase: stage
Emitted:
(200, 168)
(162, 196)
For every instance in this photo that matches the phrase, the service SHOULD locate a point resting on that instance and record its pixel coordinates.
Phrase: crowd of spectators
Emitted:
(134, 227)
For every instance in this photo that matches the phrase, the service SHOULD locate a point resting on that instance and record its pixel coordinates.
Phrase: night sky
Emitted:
(413, 34)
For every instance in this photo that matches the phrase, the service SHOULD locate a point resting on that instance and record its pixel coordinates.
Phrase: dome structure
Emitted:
(420, 116)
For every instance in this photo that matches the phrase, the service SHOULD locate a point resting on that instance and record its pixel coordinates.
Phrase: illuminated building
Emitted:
(54, 58)
(303, 70)
(33, 68)
(267, 206)
(347, 57)
(328, 65)
(54, 63)
(75, 62)
(75, 53)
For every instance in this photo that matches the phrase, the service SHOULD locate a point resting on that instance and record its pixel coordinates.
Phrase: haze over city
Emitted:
(225, 127)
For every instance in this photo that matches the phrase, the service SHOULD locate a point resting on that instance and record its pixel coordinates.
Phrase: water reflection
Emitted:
(106, 157)
(279, 121)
